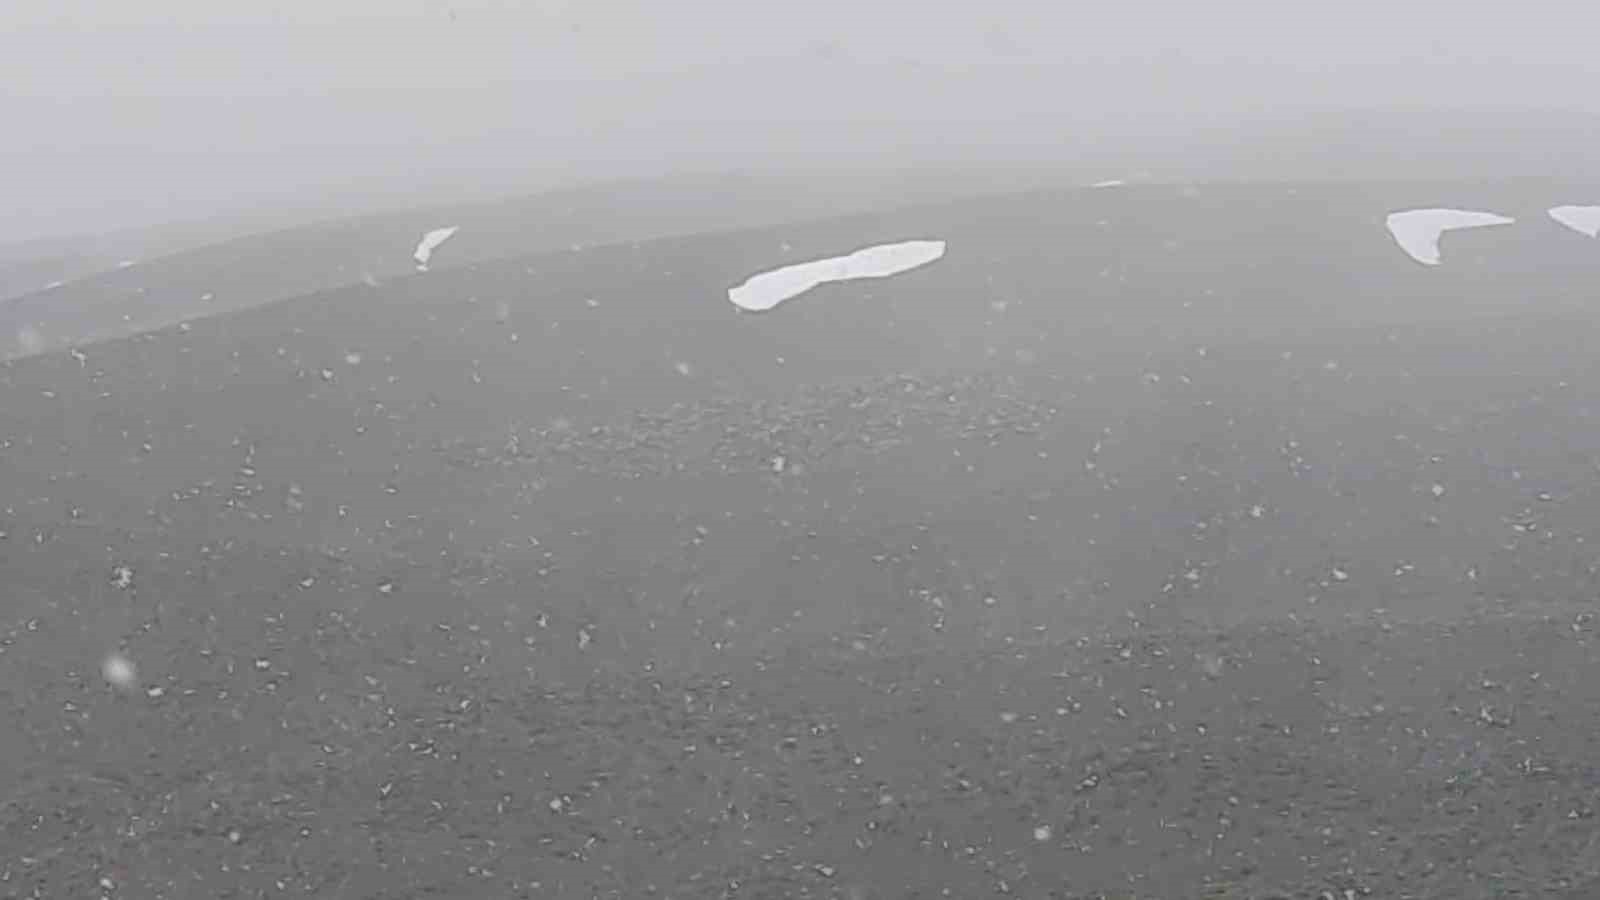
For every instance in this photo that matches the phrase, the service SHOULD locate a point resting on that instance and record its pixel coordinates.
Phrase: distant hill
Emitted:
(101, 300)
(381, 399)
(820, 169)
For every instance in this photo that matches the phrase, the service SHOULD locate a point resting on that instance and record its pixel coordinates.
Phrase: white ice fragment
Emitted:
(1582, 219)
(768, 289)
(1417, 231)
(430, 242)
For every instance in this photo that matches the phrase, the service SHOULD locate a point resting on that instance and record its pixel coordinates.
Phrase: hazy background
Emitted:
(123, 114)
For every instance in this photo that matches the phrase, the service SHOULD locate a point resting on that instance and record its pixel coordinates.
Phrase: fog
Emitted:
(121, 115)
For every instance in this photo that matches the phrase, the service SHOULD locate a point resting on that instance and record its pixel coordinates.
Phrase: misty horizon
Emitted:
(177, 111)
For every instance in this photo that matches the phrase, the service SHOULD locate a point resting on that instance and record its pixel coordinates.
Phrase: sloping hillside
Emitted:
(1139, 517)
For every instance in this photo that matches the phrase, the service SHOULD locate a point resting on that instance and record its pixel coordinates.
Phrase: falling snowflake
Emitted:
(119, 670)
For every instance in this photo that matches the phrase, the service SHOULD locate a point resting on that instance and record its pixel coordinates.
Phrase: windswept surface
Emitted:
(1168, 541)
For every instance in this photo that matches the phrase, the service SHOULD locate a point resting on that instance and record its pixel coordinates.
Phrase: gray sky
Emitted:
(119, 113)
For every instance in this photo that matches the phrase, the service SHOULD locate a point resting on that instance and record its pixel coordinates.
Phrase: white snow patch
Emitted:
(430, 242)
(1582, 219)
(768, 289)
(1417, 231)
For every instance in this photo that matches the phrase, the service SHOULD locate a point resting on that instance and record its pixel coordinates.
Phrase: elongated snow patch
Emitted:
(1417, 231)
(430, 242)
(765, 291)
(1582, 219)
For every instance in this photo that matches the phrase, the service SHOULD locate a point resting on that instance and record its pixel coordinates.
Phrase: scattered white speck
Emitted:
(1417, 231)
(682, 368)
(1582, 219)
(352, 358)
(122, 577)
(430, 242)
(1041, 833)
(127, 263)
(1437, 490)
(765, 291)
(1114, 182)
(1340, 575)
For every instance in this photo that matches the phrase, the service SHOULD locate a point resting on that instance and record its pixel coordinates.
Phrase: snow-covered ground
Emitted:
(1417, 231)
(430, 242)
(1582, 219)
(768, 289)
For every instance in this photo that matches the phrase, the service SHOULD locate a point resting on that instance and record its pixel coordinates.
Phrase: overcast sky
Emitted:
(121, 113)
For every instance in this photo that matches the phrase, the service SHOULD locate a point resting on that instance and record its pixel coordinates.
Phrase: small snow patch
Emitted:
(430, 242)
(1417, 231)
(764, 291)
(1582, 219)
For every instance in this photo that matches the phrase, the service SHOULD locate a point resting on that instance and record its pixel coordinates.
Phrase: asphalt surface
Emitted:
(1156, 542)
